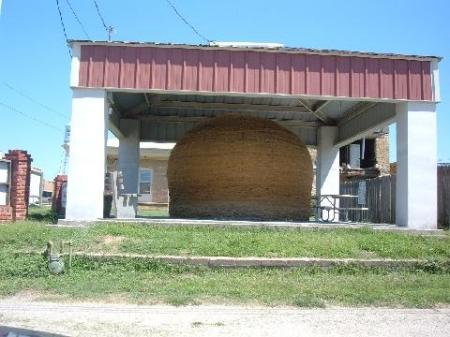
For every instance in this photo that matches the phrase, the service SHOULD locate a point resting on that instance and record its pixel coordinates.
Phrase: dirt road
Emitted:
(94, 319)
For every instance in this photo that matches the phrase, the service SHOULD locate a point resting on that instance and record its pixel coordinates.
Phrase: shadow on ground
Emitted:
(7, 331)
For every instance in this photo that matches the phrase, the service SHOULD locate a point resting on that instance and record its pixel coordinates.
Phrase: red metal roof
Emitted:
(290, 71)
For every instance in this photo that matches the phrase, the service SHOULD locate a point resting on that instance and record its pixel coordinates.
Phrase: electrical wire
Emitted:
(63, 27)
(31, 117)
(187, 22)
(109, 29)
(21, 93)
(100, 14)
(78, 19)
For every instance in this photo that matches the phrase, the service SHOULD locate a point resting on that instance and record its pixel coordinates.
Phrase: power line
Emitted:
(109, 29)
(21, 93)
(63, 27)
(78, 20)
(30, 117)
(100, 14)
(187, 22)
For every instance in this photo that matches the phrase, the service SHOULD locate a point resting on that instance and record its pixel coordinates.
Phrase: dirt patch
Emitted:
(110, 243)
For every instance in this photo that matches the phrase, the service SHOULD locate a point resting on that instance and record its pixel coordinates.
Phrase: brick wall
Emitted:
(19, 186)
(160, 189)
(382, 154)
(58, 183)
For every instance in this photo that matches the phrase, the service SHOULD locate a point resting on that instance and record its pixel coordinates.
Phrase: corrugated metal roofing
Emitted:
(240, 71)
(335, 52)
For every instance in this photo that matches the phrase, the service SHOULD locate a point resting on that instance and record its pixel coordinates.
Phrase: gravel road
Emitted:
(97, 319)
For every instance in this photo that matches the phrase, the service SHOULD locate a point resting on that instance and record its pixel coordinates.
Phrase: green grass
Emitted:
(138, 281)
(150, 282)
(43, 214)
(142, 239)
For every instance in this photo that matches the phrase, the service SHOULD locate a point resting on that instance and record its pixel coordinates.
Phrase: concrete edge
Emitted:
(64, 223)
(228, 261)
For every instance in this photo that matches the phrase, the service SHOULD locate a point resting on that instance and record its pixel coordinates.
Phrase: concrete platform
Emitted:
(282, 225)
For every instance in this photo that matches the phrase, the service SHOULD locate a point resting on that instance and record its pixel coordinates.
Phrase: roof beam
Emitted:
(144, 107)
(177, 119)
(232, 107)
(364, 122)
(316, 110)
(355, 111)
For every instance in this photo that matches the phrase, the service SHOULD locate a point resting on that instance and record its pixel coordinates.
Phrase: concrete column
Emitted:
(87, 163)
(128, 159)
(327, 171)
(416, 199)
(128, 164)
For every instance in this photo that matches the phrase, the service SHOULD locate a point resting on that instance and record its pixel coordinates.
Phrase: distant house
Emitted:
(153, 188)
(36, 185)
(365, 158)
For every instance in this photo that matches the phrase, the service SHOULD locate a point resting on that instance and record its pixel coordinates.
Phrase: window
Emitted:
(145, 183)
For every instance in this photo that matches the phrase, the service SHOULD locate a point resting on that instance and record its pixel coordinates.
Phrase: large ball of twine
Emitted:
(236, 167)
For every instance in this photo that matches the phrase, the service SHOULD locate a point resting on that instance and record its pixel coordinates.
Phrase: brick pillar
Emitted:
(20, 182)
(57, 204)
(382, 153)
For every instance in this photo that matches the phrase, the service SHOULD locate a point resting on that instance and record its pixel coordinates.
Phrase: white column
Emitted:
(88, 136)
(416, 199)
(327, 171)
(128, 162)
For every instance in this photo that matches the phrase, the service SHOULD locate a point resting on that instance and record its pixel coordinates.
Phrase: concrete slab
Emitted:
(276, 225)
(252, 261)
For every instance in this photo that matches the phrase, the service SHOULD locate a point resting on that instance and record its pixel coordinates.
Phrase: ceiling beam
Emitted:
(231, 107)
(355, 111)
(196, 119)
(364, 122)
(316, 110)
(147, 100)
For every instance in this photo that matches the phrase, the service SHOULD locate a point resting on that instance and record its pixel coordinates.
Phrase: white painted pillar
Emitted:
(88, 136)
(128, 161)
(128, 165)
(327, 171)
(416, 199)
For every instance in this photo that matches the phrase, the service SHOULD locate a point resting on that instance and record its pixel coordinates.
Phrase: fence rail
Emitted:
(380, 198)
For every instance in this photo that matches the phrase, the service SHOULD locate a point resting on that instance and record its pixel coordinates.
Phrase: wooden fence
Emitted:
(380, 198)
(444, 196)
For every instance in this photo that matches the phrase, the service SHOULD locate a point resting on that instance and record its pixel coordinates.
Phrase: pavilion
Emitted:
(328, 98)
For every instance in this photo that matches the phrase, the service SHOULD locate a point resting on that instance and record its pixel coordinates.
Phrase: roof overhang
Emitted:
(258, 48)
(254, 71)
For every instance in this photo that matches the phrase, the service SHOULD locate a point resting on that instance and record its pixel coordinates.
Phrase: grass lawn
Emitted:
(138, 281)
(207, 241)
(149, 282)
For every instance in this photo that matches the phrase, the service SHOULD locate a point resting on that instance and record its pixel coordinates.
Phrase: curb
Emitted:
(246, 262)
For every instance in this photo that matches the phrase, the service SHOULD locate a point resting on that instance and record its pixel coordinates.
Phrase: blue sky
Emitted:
(34, 58)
